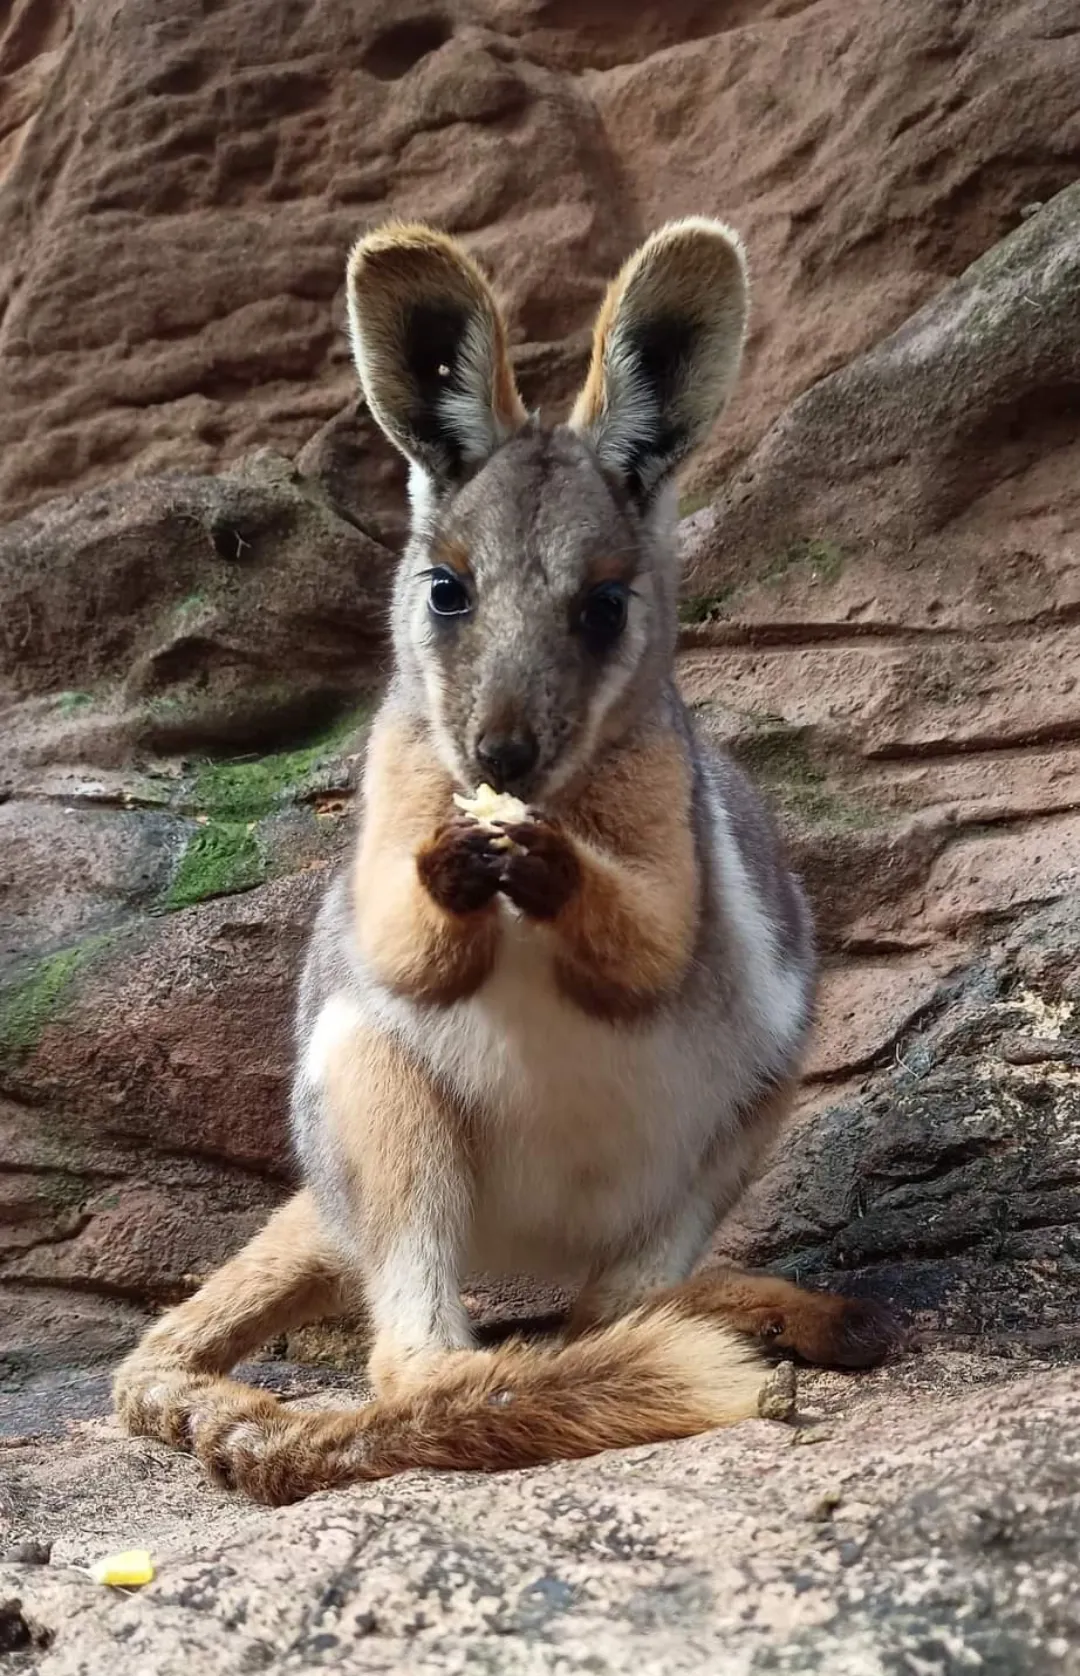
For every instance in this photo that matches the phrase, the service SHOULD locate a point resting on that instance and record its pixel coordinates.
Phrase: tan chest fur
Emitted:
(585, 1129)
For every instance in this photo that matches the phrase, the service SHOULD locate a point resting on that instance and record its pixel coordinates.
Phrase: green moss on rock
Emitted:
(249, 790)
(703, 608)
(233, 797)
(28, 1006)
(72, 702)
(823, 559)
(780, 763)
(222, 858)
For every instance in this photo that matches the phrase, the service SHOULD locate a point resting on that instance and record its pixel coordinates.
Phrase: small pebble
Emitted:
(817, 1434)
(777, 1399)
(28, 1553)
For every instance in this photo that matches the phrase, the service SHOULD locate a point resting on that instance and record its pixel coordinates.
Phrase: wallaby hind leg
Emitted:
(820, 1327)
(667, 1254)
(290, 1273)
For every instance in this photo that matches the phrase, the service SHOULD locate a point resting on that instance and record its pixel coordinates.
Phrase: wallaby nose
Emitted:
(506, 758)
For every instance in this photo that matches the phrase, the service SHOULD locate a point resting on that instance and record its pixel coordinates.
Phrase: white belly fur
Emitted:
(589, 1130)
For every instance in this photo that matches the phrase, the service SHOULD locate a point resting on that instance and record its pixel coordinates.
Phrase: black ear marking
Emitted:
(662, 350)
(431, 346)
(666, 350)
(432, 341)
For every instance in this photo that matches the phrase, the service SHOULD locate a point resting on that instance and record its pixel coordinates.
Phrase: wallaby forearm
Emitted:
(416, 946)
(626, 935)
(625, 938)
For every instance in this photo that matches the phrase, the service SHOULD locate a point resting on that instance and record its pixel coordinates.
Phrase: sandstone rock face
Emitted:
(193, 595)
(952, 445)
(179, 185)
(173, 260)
(145, 626)
(880, 620)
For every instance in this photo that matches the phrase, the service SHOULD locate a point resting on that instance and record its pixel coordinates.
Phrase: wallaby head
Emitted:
(534, 612)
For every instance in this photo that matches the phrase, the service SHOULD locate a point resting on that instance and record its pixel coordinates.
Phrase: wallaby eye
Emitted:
(448, 596)
(603, 615)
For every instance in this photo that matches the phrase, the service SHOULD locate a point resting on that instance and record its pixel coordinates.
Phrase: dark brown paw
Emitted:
(829, 1330)
(461, 869)
(863, 1333)
(819, 1327)
(542, 872)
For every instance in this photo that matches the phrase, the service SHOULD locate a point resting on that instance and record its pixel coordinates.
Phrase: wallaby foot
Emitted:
(289, 1274)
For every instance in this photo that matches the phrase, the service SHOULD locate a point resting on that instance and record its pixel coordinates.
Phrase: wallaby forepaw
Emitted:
(541, 872)
(178, 1407)
(245, 1454)
(242, 1438)
(864, 1333)
(157, 1403)
(460, 868)
(280, 1457)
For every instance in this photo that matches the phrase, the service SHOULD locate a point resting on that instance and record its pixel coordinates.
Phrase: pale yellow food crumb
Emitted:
(492, 808)
(129, 1570)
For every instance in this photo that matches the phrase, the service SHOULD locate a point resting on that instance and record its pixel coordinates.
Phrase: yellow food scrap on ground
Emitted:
(492, 808)
(129, 1570)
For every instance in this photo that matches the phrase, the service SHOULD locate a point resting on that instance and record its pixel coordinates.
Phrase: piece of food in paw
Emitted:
(492, 810)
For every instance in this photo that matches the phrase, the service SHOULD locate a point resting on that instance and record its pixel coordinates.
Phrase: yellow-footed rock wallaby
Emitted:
(555, 1043)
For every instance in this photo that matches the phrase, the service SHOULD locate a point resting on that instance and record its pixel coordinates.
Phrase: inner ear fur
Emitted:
(430, 347)
(666, 352)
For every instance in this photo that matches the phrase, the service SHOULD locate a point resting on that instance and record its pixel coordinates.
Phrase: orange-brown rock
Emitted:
(180, 184)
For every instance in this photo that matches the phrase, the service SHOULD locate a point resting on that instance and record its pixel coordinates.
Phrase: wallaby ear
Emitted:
(666, 352)
(429, 343)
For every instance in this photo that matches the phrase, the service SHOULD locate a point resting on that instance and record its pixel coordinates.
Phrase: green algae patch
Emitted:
(812, 556)
(231, 798)
(73, 703)
(778, 760)
(704, 608)
(27, 1007)
(250, 789)
(821, 558)
(221, 859)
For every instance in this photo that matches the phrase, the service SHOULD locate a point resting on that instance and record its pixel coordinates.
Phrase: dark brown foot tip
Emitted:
(865, 1334)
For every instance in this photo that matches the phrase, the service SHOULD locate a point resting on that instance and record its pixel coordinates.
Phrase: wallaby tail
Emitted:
(655, 1375)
